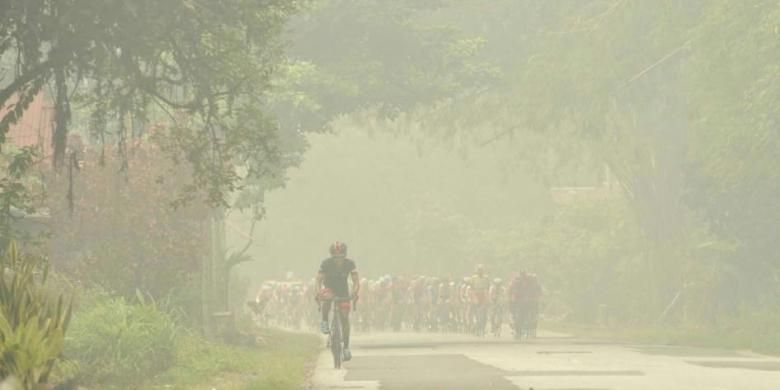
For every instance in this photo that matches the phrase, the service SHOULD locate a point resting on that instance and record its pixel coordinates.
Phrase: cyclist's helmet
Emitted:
(338, 249)
(524, 273)
(480, 268)
(497, 281)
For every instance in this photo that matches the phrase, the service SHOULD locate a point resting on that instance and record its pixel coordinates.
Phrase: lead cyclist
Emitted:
(333, 282)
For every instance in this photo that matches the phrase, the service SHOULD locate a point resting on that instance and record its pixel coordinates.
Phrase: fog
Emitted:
(405, 206)
(433, 194)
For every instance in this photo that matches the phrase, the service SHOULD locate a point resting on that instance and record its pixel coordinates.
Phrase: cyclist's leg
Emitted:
(526, 320)
(494, 313)
(482, 319)
(495, 321)
(345, 328)
(345, 332)
(325, 309)
(517, 319)
(534, 318)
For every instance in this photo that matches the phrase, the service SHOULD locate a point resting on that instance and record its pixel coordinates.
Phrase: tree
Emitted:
(123, 234)
(348, 55)
(187, 79)
(16, 194)
(205, 65)
(679, 100)
(732, 170)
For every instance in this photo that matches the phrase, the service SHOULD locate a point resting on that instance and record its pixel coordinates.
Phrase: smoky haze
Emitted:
(404, 206)
(519, 194)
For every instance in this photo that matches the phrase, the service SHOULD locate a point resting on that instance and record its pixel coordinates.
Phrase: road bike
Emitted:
(496, 319)
(335, 335)
(479, 315)
(524, 319)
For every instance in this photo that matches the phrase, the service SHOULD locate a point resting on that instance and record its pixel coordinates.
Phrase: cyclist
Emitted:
(366, 317)
(516, 297)
(464, 304)
(443, 304)
(398, 295)
(480, 284)
(383, 300)
(497, 295)
(525, 291)
(532, 295)
(332, 283)
(310, 293)
(416, 305)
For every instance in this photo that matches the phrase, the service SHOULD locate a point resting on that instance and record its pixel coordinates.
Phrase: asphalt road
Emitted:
(392, 361)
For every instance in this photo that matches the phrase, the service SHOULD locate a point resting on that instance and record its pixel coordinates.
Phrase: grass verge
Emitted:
(281, 363)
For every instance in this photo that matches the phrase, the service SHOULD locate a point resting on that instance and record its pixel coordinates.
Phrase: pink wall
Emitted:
(35, 126)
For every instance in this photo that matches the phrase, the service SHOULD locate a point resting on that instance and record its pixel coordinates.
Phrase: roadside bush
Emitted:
(159, 248)
(119, 343)
(758, 330)
(32, 321)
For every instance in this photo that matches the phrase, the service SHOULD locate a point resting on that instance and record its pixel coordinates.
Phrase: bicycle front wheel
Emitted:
(335, 343)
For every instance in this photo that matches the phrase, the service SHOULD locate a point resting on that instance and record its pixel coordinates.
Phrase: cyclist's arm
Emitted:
(318, 281)
(355, 282)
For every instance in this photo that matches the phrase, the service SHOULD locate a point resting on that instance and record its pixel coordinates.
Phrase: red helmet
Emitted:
(338, 249)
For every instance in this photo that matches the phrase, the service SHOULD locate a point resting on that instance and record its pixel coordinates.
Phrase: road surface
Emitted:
(391, 361)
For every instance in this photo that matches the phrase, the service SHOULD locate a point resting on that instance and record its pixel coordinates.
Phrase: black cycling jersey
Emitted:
(335, 273)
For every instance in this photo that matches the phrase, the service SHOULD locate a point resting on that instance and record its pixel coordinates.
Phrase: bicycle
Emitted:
(496, 319)
(479, 318)
(524, 320)
(335, 336)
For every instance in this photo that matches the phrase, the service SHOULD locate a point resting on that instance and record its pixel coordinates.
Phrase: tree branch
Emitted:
(20, 82)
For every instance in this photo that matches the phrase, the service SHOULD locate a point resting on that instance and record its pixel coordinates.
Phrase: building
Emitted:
(35, 126)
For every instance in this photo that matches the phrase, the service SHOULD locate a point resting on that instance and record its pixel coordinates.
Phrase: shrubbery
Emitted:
(32, 321)
(120, 344)
(129, 237)
(116, 342)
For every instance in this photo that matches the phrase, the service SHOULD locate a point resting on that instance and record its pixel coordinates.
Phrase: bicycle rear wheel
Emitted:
(517, 323)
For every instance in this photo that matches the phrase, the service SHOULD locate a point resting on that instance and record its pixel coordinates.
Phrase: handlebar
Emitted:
(346, 299)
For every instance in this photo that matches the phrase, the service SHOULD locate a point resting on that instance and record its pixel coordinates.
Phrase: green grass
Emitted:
(281, 363)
